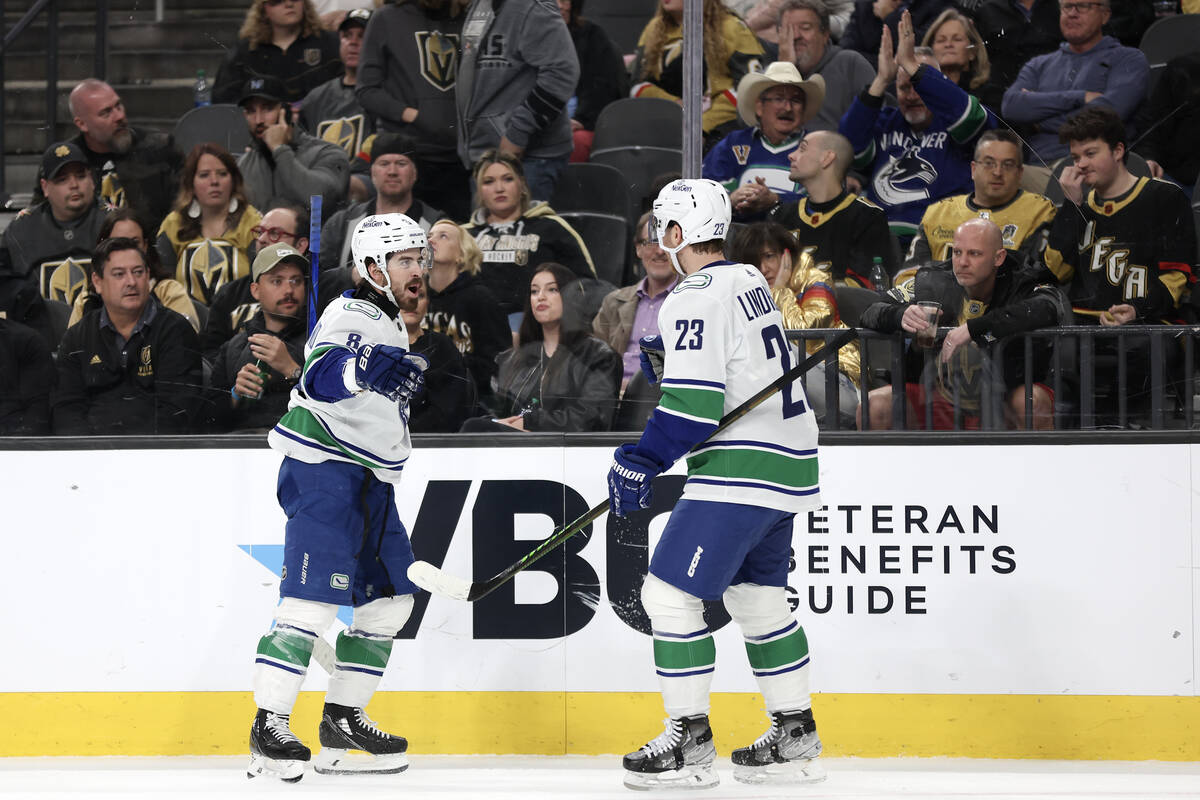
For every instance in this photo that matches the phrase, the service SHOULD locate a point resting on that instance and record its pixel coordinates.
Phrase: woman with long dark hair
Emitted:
(558, 377)
(204, 241)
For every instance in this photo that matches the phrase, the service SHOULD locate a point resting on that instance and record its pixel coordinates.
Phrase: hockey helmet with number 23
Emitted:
(699, 206)
(378, 236)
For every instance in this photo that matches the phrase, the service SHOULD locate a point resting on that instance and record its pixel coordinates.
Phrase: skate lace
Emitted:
(369, 724)
(667, 740)
(277, 725)
(769, 737)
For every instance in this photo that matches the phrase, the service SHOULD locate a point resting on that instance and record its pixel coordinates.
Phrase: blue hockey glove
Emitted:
(652, 357)
(389, 371)
(629, 480)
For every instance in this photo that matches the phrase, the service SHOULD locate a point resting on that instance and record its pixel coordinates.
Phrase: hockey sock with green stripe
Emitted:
(684, 652)
(361, 659)
(779, 660)
(279, 667)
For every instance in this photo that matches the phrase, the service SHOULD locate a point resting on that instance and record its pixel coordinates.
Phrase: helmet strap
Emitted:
(372, 293)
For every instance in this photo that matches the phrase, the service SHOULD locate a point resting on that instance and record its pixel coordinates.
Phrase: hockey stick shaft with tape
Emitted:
(435, 580)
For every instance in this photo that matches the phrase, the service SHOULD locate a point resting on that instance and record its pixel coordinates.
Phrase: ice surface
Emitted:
(596, 778)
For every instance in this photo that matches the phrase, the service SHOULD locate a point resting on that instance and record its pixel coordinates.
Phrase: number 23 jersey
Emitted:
(724, 342)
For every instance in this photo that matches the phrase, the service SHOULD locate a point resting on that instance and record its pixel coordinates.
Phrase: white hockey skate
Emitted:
(786, 753)
(274, 749)
(681, 757)
(344, 730)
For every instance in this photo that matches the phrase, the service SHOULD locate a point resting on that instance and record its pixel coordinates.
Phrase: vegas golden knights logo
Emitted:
(346, 133)
(145, 363)
(206, 266)
(64, 280)
(112, 190)
(439, 58)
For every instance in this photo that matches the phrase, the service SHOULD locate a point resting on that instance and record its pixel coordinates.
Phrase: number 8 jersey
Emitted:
(724, 342)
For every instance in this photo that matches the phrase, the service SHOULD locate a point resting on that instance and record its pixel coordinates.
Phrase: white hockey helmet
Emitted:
(378, 236)
(699, 206)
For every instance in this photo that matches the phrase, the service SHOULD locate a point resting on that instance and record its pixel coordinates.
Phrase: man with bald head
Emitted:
(983, 300)
(842, 232)
(131, 167)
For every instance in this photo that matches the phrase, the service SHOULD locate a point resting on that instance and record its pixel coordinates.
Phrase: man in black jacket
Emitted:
(256, 369)
(985, 301)
(131, 167)
(131, 366)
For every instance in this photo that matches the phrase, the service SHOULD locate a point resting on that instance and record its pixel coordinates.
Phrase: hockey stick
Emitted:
(314, 253)
(437, 581)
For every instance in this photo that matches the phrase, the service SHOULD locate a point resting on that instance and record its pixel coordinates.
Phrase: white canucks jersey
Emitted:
(724, 342)
(366, 428)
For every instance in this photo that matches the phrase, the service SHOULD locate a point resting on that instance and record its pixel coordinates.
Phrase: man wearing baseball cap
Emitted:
(331, 111)
(752, 163)
(284, 164)
(258, 367)
(390, 162)
(46, 251)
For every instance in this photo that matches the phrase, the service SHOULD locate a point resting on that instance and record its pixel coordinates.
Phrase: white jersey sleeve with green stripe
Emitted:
(366, 428)
(724, 341)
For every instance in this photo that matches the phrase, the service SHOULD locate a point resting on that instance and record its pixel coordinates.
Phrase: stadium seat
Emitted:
(640, 166)
(221, 123)
(636, 405)
(598, 188)
(607, 239)
(1167, 38)
(622, 20)
(639, 121)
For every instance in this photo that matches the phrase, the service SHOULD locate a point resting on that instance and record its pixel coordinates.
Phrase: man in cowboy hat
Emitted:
(752, 163)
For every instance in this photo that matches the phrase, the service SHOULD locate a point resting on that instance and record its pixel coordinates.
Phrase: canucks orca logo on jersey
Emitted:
(905, 178)
(439, 58)
(64, 280)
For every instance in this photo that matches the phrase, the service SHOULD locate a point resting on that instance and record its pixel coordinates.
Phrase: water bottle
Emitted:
(880, 281)
(202, 90)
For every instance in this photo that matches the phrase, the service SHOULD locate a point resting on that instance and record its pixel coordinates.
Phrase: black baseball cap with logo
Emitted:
(58, 155)
(356, 16)
(268, 88)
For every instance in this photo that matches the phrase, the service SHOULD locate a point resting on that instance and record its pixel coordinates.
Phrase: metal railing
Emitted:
(1090, 391)
(99, 70)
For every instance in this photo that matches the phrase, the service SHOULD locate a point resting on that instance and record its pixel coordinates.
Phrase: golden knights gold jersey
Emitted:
(1134, 249)
(205, 265)
(1023, 221)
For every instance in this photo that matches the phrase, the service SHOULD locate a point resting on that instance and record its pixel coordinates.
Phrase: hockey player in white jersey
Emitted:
(730, 535)
(345, 442)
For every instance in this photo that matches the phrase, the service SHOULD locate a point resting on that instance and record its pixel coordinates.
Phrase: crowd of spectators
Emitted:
(1009, 161)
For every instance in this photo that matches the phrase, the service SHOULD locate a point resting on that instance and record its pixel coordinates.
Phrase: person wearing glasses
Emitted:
(1088, 69)
(281, 39)
(631, 312)
(1023, 217)
(205, 240)
(752, 163)
(234, 302)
